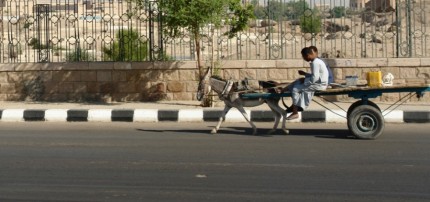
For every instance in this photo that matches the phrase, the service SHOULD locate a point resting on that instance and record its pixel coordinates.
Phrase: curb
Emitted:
(187, 115)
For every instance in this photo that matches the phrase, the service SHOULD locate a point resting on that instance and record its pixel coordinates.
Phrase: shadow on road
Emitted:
(323, 133)
(246, 131)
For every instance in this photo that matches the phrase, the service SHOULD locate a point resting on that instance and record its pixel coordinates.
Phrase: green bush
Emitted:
(337, 12)
(79, 55)
(127, 48)
(310, 24)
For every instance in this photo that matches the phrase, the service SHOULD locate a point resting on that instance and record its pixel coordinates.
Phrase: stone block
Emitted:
(353, 72)
(104, 76)
(51, 87)
(408, 72)
(153, 75)
(15, 77)
(191, 86)
(292, 73)
(291, 63)
(122, 65)
(374, 62)
(188, 75)
(234, 64)
(142, 65)
(171, 76)
(107, 88)
(101, 65)
(277, 74)
(337, 74)
(231, 74)
(126, 87)
(79, 87)
(118, 76)
(248, 73)
(7, 67)
(88, 75)
(175, 86)
(261, 74)
(133, 75)
(169, 97)
(29, 66)
(404, 62)
(390, 97)
(423, 72)
(393, 70)
(66, 76)
(182, 96)
(3, 97)
(425, 62)
(66, 87)
(340, 62)
(4, 77)
(261, 64)
(186, 65)
(415, 81)
(15, 97)
(46, 76)
(76, 66)
(9, 88)
(92, 87)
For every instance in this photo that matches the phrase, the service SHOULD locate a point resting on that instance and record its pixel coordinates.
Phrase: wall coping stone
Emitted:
(226, 64)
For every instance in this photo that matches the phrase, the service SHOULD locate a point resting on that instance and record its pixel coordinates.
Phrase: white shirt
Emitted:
(318, 77)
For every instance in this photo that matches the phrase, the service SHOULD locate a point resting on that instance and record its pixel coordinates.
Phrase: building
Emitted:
(375, 5)
(358, 4)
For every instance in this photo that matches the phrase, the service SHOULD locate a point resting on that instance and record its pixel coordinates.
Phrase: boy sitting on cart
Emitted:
(302, 90)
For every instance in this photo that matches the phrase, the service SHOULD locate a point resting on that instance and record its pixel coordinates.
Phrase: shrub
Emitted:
(310, 24)
(79, 55)
(127, 48)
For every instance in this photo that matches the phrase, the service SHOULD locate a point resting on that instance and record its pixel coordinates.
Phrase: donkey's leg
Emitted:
(245, 115)
(221, 119)
(282, 112)
(277, 115)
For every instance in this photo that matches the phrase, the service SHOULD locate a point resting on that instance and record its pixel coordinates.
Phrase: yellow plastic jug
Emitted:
(374, 79)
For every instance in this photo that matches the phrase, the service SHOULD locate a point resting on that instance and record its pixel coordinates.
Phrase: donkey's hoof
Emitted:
(213, 131)
(287, 132)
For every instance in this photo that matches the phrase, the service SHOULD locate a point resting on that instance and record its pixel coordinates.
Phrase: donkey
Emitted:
(226, 92)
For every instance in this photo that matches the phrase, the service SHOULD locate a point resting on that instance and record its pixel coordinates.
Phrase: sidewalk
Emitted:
(188, 111)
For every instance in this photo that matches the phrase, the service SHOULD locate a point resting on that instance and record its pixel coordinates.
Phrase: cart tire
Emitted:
(359, 103)
(366, 122)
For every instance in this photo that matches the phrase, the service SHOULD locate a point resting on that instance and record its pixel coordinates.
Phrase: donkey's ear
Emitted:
(208, 70)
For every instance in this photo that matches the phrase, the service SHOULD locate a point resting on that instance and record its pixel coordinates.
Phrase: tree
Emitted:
(180, 16)
(129, 47)
(311, 24)
(296, 9)
(337, 12)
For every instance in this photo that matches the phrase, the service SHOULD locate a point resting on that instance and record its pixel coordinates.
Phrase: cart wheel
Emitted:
(366, 122)
(359, 103)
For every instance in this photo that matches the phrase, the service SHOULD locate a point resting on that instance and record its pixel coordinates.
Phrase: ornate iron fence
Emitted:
(119, 30)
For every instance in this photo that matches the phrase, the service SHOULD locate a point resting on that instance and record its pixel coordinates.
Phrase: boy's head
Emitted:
(314, 51)
(307, 54)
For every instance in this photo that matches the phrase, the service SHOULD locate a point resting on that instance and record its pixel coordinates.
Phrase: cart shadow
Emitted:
(323, 133)
(263, 132)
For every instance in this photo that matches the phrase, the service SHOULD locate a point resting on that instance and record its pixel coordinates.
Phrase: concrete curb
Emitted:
(187, 115)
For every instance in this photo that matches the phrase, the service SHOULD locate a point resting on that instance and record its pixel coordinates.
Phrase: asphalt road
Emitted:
(183, 162)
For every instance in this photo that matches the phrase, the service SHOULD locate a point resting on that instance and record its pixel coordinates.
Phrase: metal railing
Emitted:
(115, 30)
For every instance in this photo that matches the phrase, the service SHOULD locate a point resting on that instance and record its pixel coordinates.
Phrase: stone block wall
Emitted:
(98, 81)
(149, 81)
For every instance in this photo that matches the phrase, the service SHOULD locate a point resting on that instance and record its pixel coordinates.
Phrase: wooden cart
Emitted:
(364, 117)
